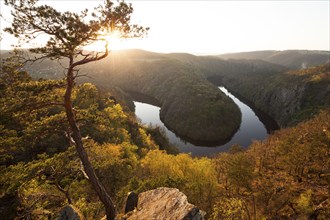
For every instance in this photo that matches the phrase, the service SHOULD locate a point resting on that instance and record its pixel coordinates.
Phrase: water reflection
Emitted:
(251, 128)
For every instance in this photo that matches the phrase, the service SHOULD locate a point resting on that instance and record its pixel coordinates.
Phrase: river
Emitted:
(251, 128)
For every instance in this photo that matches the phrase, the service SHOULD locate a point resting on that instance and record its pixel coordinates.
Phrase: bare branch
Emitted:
(84, 75)
(82, 53)
(61, 189)
(76, 73)
(83, 170)
(41, 59)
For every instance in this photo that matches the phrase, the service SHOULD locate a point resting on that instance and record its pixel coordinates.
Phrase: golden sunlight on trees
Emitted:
(68, 34)
(195, 177)
(40, 172)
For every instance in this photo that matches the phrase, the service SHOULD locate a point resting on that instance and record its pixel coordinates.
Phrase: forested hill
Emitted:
(293, 59)
(288, 98)
(263, 84)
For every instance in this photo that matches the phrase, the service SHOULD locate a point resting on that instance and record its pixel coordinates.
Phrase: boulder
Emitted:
(69, 212)
(165, 203)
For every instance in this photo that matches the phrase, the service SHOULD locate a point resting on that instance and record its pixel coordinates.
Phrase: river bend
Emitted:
(251, 128)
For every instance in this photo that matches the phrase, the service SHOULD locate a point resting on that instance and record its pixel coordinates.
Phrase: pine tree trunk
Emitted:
(76, 135)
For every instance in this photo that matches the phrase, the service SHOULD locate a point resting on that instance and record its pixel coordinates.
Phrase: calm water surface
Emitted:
(251, 128)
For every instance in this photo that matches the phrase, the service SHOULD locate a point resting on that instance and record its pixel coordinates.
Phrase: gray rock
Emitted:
(195, 214)
(69, 212)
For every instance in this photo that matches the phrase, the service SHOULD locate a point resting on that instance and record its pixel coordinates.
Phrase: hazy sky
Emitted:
(215, 27)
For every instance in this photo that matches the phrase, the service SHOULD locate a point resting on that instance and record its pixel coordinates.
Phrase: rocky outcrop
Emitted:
(282, 103)
(165, 203)
(70, 213)
(288, 97)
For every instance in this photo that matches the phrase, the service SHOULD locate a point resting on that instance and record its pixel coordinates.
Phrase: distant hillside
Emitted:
(288, 98)
(212, 65)
(253, 55)
(171, 78)
(293, 59)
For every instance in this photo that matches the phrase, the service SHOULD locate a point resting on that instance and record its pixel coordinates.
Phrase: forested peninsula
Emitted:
(190, 105)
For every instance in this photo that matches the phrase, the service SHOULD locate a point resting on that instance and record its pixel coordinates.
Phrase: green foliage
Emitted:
(86, 96)
(114, 164)
(9, 142)
(31, 121)
(158, 135)
(44, 174)
(240, 170)
(51, 182)
(231, 208)
(34, 122)
(68, 33)
(304, 203)
(235, 171)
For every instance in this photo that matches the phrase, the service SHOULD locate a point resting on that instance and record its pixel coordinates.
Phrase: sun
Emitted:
(114, 40)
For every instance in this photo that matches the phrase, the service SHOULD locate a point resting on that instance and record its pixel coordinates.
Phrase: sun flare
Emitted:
(114, 40)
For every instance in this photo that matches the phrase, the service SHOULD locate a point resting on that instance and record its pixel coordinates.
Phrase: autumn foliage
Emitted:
(284, 176)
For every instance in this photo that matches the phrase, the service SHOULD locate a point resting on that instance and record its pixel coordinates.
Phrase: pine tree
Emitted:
(68, 34)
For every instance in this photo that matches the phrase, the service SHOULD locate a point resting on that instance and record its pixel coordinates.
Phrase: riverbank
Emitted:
(251, 128)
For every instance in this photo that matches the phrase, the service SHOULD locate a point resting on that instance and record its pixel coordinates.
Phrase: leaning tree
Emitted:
(68, 34)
